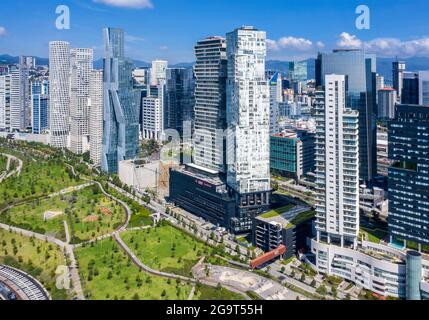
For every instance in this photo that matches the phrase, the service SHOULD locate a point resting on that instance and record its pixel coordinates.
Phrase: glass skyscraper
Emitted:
(121, 110)
(40, 106)
(409, 174)
(360, 71)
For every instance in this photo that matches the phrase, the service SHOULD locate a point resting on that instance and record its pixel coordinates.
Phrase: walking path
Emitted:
(18, 169)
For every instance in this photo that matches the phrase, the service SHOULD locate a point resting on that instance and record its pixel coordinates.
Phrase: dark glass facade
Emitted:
(360, 71)
(409, 174)
(410, 88)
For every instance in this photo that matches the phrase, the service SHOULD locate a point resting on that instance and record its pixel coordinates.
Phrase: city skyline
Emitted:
(290, 27)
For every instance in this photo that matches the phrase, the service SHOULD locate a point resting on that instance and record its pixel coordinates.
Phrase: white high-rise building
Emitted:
(81, 68)
(95, 110)
(248, 113)
(276, 97)
(20, 97)
(337, 165)
(59, 81)
(152, 118)
(158, 72)
(5, 102)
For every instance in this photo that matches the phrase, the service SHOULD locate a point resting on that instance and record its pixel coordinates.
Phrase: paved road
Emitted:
(22, 284)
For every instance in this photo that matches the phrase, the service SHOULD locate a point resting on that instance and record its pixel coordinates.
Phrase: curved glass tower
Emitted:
(414, 275)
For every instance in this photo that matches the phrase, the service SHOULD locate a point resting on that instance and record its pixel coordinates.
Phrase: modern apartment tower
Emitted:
(40, 106)
(409, 175)
(81, 68)
(210, 103)
(5, 102)
(248, 119)
(95, 111)
(398, 70)
(276, 97)
(59, 81)
(121, 111)
(410, 88)
(20, 112)
(360, 71)
(337, 165)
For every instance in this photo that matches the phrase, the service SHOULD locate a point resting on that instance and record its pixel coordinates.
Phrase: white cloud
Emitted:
(3, 31)
(133, 4)
(387, 47)
(396, 47)
(320, 44)
(163, 48)
(292, 43)
(347, 40)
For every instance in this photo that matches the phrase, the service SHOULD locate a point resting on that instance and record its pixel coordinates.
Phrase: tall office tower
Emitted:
(409, 174)
(248, 119)
(5, 102)
(337, 170)
(424, 88)
(121, 111)
(410, 88)
(180, 99)
(20, 112)
(40, 106)
(210, 103)
(81, 68)
(298, 71)
(95, 110)
(386, 103)
(359, 69)
(59, 93)
(399, 68)
(276, 97)
(380, 82)
(158, 72)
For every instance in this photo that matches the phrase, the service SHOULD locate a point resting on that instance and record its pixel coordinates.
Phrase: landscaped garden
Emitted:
(35, 257)
(3, 163)
(276, 212)
(88, 213)
(166, 248)
(108, 273)
(38, 178)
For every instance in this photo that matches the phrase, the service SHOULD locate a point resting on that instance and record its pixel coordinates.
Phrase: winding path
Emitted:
(18, 169)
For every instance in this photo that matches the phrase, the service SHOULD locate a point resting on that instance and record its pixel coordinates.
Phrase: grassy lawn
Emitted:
(277, 212)
(38, 178)
(219, 294)
(35, 257)
(375, 235)
(107, 274)
(88, 212)
(141, 215)
(3, 163)
(301, 218)
(166, 249)
(290, 260)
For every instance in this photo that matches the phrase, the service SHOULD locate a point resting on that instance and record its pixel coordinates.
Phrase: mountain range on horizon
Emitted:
(384, 65)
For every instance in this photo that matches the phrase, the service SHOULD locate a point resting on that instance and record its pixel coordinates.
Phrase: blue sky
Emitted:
(168, 29)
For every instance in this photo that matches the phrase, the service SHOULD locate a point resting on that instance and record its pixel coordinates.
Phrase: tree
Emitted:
(136, 297)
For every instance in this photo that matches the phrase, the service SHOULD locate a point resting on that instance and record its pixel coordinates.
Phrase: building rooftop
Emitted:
(287, 216)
